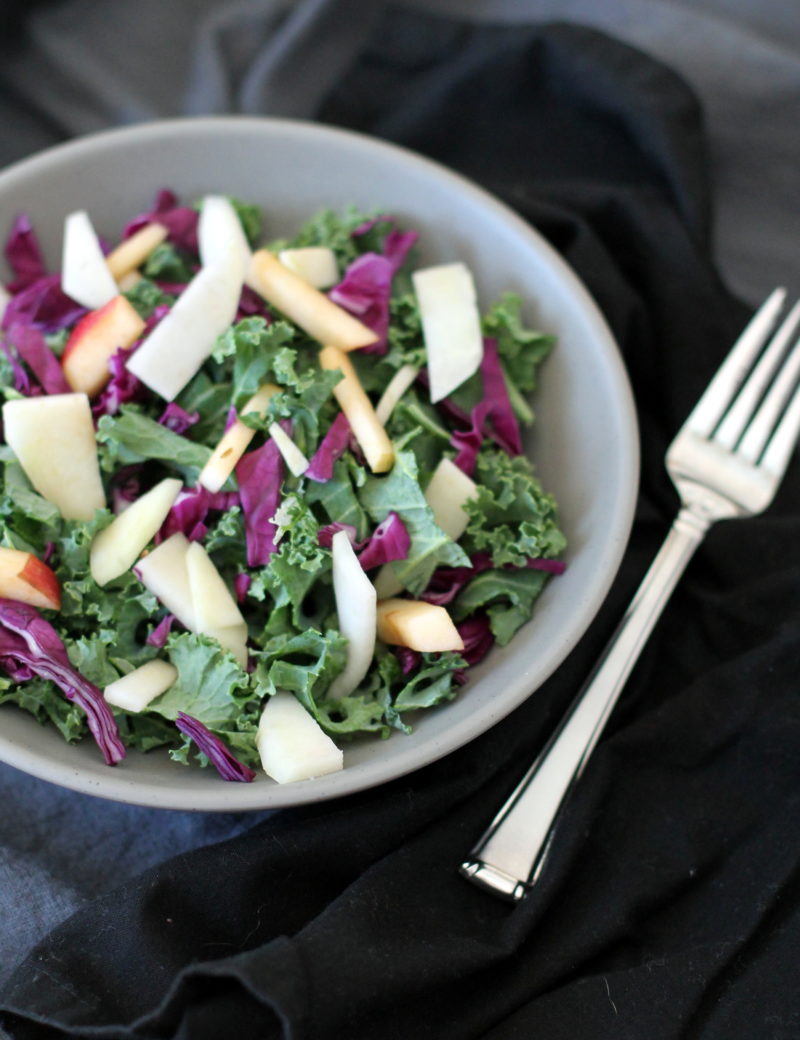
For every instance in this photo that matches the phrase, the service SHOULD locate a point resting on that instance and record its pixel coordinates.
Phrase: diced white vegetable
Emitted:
(184, 338)
(395, 388)
(292, 456)
(217, 228)
(164, 572)
(451, 325)
(356, 610)
(85, 276)
(117, 546)
(214, 606)
(447, 491)
(292, 745)
(53, 439)
(123, 260)
(134, 691)
(314, 264)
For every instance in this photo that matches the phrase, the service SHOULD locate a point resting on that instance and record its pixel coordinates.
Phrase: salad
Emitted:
(258, 499)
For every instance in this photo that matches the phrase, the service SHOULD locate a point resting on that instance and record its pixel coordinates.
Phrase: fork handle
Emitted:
(508, 859)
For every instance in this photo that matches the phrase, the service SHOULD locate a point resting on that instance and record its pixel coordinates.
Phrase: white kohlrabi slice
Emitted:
(292, 745)
(85, 276)
(181, 342)
(292, 456)
(217, 227)
(164, 572)
(134, 691)
(356, 609)
(451, 325)
(395, 388)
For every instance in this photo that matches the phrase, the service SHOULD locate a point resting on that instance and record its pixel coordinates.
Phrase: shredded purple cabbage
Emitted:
(30, 646)
(216, 751)
(160, 633)
(260, 475)
(326, 533)
(31, 347)
(241, 585)
(178, 419)
(190, 511)
(396, 244)
(409, 659)
(23, 254)
(476, 633)
(122, 387)
(332, 446)
(364, 292)
(43, 304)
(22, 381)
(492, 416)
(389, 541)
(180, 221)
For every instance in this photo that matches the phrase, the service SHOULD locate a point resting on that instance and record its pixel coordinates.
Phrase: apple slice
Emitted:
(234, 442)
(115, 549)
(134, 691)
(94, 341)
(85, 276)
(129, 279)
(214, 606)
(135, 250)
(184, 338)
(292, 456)
(53, 439)
(26, 578)
(451, 325)
(164, 572)
(447, 491)
(418, 625)
(314, 264)
(356, 610)
(323, 320)
(218, 227)
(234, 639)
(395, 388)
(292, 744)
(355, 404)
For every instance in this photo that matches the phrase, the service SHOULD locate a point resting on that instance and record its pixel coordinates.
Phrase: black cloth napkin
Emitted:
(669, 907)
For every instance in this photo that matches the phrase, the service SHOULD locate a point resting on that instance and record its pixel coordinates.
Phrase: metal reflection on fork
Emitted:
(726, 461)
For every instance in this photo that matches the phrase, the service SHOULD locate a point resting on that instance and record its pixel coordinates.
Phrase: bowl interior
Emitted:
(584, 442)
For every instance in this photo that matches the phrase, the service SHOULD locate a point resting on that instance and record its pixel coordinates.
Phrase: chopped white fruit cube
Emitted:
(134, 691)
(356, 611)
(451, 325)
(217, 228)
(234, 442)
(314, 264)
(292, 456)
(85, 276)
(185, 337)
(447, 491)
(115, 549)
(53, 439)
(164, 572)
(395, 388)
(124, 260)
(292, 745)
(214, 606)
(418, 625)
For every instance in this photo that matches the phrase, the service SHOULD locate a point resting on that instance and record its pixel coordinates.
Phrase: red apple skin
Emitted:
(26, 578)
(94, 340)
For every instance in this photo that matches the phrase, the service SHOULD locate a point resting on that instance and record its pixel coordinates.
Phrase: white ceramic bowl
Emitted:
(584, 444)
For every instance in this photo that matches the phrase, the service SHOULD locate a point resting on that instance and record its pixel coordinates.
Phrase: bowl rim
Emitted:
(263, 796)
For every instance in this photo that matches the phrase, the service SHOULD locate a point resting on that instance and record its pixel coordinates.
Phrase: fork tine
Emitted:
(781, 447)
(764, 421)
(742, 409)
(718, 395)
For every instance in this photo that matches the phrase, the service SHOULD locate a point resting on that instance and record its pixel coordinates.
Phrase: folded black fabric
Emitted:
(669, 907)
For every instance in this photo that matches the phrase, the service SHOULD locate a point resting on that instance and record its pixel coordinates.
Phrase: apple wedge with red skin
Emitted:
(26, 578)
(95, 340)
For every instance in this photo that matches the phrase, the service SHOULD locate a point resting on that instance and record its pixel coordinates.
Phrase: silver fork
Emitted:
(726, 461)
